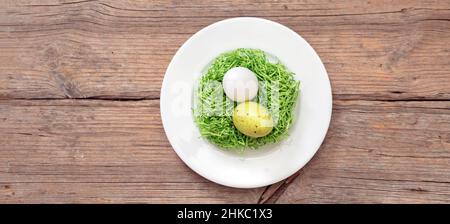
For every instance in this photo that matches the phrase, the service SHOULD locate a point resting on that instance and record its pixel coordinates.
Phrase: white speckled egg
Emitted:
(240, 84)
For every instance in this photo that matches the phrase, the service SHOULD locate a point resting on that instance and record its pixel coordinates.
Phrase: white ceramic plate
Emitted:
(273, 163)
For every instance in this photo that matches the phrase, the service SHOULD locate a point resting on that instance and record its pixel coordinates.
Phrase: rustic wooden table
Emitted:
(79, 107)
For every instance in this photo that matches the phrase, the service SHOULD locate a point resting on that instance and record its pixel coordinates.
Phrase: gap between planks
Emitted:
(130, 98)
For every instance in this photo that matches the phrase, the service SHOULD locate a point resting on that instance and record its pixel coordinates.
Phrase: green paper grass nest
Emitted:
(278, 92)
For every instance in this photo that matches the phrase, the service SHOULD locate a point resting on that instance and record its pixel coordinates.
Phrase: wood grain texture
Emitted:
(380, 152)
(72, 151)
(66, 136)
(120, 49)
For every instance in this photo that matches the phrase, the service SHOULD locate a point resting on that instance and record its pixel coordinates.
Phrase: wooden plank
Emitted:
(61, 151)
(111, 49)
(118, 192)
(116, 151)
(380, 152)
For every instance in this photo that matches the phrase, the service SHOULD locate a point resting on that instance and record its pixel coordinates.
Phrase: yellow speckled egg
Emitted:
(252, 119)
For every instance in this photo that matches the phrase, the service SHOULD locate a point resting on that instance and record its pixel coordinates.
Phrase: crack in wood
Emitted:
(413, 157)
(77, 2)
(86, 98)
(274, 191)
(418, 189)
(399, 180)
(139, 98)
(355, 97)
(60, 4)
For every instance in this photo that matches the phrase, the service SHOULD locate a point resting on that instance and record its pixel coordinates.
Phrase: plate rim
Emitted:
(212, 178)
